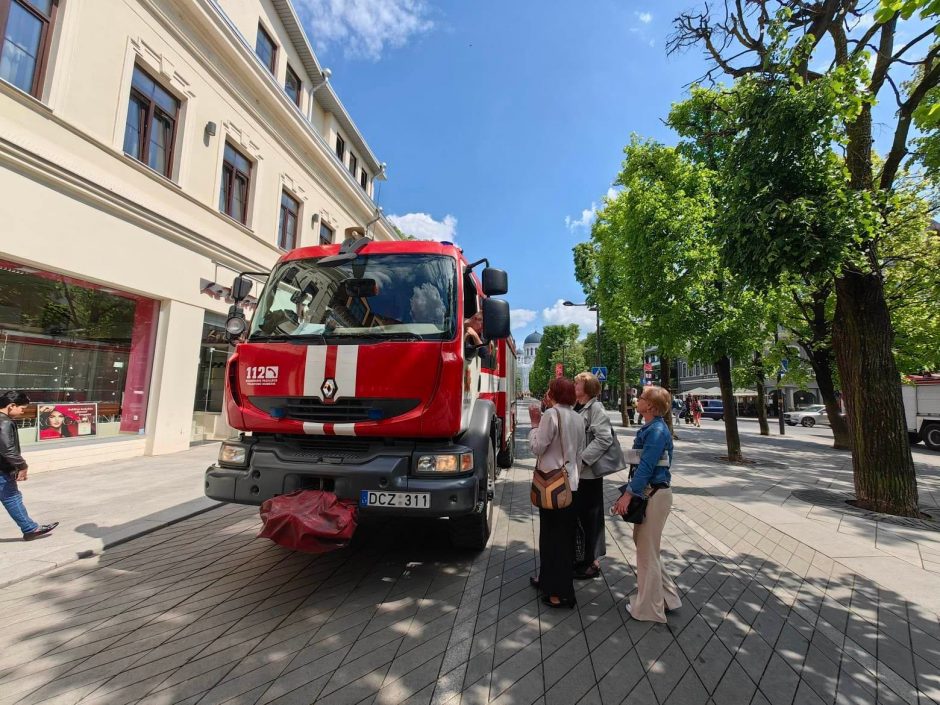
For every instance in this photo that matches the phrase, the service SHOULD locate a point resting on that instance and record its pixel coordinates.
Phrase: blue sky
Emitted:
(503, 123)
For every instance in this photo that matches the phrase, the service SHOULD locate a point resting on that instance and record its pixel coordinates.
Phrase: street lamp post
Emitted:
(597, 334)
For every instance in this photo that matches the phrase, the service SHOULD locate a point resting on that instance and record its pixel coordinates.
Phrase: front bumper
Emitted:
(276, 469)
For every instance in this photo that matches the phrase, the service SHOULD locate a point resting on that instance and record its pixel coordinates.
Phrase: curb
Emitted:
(91, 553)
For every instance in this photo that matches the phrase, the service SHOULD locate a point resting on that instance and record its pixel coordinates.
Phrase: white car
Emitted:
(809, 417)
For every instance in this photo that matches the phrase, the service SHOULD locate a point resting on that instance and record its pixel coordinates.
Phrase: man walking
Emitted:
(13, 468)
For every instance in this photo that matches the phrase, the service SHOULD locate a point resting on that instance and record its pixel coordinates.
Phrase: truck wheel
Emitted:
(505, 458)
(932, 436)
(808, 423)
(472, 531)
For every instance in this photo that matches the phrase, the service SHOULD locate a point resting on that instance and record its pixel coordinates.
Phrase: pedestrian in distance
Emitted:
(652, 479)
(557, 441)
(596, 461)
(687, 409)
(697, 410)
(631, 405)
(13, 467)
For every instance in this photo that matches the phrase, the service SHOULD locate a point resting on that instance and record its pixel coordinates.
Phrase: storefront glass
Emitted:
(81, 351)
(208, 421)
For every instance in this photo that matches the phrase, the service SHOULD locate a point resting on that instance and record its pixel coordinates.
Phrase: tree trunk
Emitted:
(821, 360)
(732, 438)
(885, 479)
(665, 380)
(761, 394)
(621, 358)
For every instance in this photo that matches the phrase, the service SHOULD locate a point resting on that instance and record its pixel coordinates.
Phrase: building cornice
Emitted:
(77, 186)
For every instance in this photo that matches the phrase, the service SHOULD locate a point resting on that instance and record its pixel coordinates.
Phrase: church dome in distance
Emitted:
(533, 338)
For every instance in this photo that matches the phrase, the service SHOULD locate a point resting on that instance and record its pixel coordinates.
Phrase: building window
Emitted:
(236, 185)
(353, 164)
(326, 234)
(266, 49)
(150, 132)
(26, 31)
(340, 148)
(287, 223)
(364, 180)
(292, 85)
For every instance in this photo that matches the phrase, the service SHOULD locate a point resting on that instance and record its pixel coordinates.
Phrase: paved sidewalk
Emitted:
(101, 506)
(203, 612)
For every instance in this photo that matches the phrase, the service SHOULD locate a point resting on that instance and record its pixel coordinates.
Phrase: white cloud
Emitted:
(424, 227)
(364, 28)
(522, 317)
(584, 222)
(588, 215)
(644, 17)
(561, 315)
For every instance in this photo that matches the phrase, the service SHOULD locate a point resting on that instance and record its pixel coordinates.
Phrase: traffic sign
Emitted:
(648, 367)
(600, 373)
(559, 369)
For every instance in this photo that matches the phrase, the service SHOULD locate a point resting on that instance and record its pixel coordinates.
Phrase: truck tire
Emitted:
(808, 422)
(931, 436)
(472, 531)
(506, 457)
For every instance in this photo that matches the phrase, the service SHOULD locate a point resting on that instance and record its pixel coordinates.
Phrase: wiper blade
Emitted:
(287, 338)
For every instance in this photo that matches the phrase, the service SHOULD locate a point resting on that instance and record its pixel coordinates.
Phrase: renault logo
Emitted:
(329, 388)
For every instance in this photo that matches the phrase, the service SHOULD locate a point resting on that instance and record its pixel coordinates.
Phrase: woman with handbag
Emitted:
(650, 478)
(602, 456)
(557, 441)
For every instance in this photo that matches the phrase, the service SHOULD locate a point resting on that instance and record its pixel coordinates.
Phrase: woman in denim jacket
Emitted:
(656, 592)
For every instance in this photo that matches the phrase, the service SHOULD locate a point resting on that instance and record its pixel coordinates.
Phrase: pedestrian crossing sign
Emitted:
(600, 373)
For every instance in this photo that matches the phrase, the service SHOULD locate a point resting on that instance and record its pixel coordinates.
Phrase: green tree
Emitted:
(559, 345)
(659, 235)
(807, 208)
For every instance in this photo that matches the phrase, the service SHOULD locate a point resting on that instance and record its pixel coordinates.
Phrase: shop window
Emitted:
(26, 32)
(236, 185)
(292, 85)
(266, 49)
(287, 223)
(326, 234)
(83, 354)
(152, 114)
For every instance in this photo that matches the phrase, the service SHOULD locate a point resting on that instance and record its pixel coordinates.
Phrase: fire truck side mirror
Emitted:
(241, 287)
(495, 282)
(495, 319)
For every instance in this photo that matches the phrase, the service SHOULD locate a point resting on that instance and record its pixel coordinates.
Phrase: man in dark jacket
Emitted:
(13, 468)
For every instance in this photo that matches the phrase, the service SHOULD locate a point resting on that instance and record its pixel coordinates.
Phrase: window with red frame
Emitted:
(150, 133)
(236, 185)
(287, 223)
(26, 33)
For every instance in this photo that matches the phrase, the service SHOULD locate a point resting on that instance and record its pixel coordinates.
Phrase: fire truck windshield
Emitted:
(395, 296)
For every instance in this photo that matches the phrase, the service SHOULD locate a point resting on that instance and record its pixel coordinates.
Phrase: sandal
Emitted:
(588, 573)
(562, 602)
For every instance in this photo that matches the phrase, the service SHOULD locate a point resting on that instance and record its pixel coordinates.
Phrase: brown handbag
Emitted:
(551, 489)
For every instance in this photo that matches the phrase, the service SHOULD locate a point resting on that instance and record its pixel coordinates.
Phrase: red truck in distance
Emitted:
(358, 375)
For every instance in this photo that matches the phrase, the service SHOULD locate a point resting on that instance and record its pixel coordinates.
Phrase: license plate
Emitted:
(402, 500)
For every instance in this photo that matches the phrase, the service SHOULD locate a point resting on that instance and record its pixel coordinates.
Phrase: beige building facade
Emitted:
(149, 151)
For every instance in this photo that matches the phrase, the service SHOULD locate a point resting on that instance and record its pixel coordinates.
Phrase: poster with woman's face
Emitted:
(66, 420)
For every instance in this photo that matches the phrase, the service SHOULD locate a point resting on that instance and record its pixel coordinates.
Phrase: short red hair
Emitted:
(562, 391)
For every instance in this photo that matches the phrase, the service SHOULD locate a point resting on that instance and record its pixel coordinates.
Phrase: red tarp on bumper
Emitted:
(312, 521)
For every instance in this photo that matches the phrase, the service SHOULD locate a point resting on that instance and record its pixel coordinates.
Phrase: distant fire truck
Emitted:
(381, 371)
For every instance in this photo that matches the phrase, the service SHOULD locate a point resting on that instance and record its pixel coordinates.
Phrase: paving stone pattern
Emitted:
(203, 612)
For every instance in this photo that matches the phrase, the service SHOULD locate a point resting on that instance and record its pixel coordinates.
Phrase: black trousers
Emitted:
(589, 507)
(556, 552)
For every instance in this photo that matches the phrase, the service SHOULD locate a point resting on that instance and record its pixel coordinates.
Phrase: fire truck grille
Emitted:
(314, 410)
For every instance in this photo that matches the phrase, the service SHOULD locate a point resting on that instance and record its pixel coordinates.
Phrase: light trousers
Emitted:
(656, 591)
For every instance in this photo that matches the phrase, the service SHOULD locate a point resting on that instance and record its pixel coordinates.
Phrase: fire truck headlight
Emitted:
(233, 455)
(449, 462)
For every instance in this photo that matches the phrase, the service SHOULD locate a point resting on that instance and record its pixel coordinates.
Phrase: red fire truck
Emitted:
(367, 371)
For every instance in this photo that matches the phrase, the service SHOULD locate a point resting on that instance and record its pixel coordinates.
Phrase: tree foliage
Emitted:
(559, 345)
